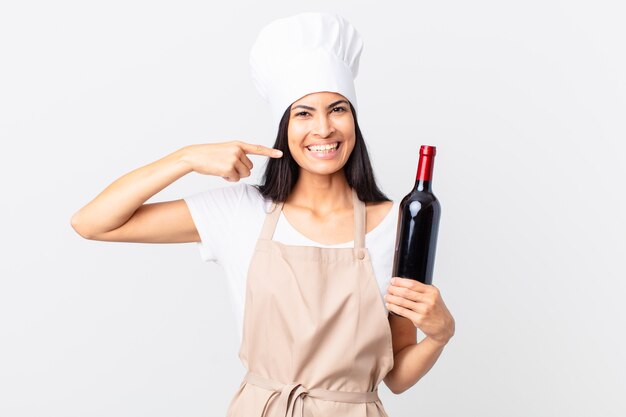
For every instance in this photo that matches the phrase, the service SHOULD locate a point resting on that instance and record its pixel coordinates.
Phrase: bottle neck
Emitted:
(421, 185)
(423, 179)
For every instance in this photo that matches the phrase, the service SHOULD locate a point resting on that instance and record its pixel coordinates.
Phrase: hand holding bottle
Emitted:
(423, 305)
(228, 160)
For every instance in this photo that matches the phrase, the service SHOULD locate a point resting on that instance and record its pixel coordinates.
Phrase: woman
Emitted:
(317, 336)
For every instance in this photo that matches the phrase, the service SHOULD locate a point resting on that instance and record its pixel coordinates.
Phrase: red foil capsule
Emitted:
(426, 162)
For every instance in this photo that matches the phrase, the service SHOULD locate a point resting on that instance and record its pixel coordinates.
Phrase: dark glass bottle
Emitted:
(418, 224)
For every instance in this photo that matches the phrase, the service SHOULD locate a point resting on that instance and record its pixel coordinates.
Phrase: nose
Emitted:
(323, 126)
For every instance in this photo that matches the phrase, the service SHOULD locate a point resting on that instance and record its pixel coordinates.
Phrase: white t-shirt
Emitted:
(229, 221)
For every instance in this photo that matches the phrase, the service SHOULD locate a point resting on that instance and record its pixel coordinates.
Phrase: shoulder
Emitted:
(249, 197)
(379, 207)
(377, 212)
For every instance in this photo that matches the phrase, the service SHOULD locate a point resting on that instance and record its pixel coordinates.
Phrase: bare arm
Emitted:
(412, 360)
(124, 198)
(118, 213)
(417, 306)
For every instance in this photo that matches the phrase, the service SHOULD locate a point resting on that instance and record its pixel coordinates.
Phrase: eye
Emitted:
(302, 113)
(342, 109)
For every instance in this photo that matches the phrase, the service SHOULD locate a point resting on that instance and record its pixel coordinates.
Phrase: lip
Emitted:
(323, 155)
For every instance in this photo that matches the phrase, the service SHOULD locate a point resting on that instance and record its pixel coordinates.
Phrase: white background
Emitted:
(525, 102)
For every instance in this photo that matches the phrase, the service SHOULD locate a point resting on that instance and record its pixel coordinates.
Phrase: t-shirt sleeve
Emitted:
(213, 212)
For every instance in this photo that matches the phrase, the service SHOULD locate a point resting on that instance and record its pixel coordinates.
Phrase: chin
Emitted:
(329, 169)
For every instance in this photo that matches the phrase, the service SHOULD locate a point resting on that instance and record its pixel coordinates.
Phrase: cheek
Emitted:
(349, 132)
(350, 145)
(294, 148)
(296, 130)
(295, 136)
(349, 151)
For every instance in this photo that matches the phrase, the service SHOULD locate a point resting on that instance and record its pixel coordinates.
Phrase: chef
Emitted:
(307, 252)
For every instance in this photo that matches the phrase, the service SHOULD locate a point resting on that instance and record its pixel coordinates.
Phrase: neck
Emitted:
(321, 193)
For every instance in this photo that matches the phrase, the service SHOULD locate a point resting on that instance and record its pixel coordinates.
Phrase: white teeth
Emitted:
(322, 148)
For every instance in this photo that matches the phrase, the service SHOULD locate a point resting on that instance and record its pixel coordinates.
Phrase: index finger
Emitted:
(261, 150)
(409, 283)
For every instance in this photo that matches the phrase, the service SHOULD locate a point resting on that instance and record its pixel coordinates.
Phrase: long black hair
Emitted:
(281, 174)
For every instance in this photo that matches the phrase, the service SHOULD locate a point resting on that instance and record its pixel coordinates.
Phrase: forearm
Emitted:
(412, 363)
(118, 202)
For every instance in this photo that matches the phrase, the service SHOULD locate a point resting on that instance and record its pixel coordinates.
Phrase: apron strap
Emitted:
(271, 219)
(359, 221)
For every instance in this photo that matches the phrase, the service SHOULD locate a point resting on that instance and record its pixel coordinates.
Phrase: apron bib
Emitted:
(316, 339)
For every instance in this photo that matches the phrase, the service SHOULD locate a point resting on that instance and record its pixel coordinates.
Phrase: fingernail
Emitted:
(393, 280)
(278, 153)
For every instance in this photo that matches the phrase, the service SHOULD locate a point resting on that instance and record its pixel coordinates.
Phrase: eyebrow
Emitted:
(330, 106)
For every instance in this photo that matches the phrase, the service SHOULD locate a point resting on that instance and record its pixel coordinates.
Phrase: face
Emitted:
(321, 132)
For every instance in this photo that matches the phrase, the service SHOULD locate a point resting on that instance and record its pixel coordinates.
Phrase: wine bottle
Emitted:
(418, 224)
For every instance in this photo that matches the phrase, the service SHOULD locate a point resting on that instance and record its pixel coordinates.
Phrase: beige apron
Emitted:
(316, 339)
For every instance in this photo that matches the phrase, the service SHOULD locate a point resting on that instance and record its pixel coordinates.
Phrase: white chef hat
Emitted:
(303, 54)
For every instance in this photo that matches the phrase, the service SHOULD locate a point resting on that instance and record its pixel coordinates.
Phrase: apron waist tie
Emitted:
(292, 394)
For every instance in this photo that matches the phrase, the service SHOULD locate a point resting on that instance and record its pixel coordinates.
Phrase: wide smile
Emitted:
(323, 151)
